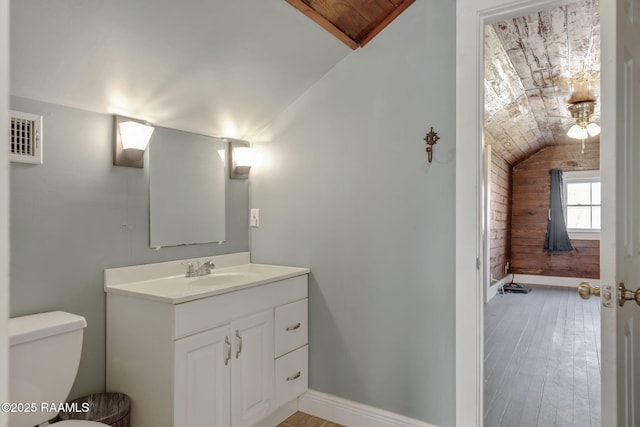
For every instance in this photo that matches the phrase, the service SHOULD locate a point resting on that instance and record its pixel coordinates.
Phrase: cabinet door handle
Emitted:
(293, 327)
(295, 376)
(228, 343)
(239, 344)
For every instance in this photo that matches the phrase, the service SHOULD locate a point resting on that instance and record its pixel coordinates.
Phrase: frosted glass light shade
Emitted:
(241, 157)
(244, 156)
(135, 135)
(577, 132)
(131, 137)
(593, 129)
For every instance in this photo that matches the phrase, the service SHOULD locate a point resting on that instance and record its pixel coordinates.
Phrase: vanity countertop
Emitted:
(177, 289)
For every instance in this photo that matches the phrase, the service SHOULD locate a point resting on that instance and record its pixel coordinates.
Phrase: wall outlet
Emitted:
(254, 218)
(506, 268)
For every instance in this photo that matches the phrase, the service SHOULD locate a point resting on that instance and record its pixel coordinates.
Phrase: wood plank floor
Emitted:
(542, 359)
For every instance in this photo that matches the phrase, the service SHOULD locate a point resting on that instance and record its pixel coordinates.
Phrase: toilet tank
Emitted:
(44, 354)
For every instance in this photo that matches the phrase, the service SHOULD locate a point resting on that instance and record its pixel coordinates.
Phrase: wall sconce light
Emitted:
(241, 157)
(131, 140)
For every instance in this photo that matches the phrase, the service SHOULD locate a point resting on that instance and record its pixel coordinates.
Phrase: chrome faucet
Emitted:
(205, 268)
(201, 270)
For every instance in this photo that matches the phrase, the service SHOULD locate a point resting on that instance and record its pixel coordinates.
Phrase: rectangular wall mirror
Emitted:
(186, 188)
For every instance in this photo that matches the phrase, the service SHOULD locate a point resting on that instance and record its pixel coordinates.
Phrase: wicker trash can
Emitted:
(108, 408)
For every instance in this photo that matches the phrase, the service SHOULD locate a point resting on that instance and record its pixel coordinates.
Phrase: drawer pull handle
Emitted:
(294, 377)
(293, 327)
(239, 344)
(228, 343)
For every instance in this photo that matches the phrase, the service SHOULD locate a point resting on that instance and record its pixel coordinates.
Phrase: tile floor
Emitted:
(300, 419)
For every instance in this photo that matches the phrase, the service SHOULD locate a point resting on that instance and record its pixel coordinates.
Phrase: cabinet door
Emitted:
(253, 384)
(202, 379)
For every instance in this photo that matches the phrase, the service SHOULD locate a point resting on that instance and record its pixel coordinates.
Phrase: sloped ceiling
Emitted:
(533, 65)
(227, 68)
(217, 67)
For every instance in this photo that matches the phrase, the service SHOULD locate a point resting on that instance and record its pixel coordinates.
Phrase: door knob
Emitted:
(625, 295)
(585, 290)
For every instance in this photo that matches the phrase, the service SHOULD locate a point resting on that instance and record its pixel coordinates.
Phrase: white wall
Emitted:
(4, 204)
(344, 187)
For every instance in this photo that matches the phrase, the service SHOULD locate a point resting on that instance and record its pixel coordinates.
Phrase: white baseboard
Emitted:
(567, 282)
(493, 289)
(279, 415)
(352, 414)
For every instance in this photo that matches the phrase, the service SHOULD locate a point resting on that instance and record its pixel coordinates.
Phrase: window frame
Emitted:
(590, 176)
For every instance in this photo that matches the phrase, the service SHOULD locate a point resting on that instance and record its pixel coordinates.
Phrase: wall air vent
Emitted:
(25, 137)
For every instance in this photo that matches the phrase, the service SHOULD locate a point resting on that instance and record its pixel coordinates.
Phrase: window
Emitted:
(582, 198)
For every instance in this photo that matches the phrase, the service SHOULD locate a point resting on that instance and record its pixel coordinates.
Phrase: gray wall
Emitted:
(76, 215)
(344, 187)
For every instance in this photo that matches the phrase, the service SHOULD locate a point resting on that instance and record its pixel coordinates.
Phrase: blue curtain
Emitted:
(557, 239)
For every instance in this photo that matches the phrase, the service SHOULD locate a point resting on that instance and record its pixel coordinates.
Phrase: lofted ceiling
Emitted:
(534, 65)
(227, 68)
(217, 67)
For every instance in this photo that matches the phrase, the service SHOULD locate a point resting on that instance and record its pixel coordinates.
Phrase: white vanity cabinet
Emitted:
(227, 360)
(202, 376)
(226, 374)
(291, 350)
(252, 369)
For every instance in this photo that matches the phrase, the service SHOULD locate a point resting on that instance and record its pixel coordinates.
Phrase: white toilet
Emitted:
(44, 355)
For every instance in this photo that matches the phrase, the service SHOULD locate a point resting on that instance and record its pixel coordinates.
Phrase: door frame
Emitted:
(471, 17)
(4, 207)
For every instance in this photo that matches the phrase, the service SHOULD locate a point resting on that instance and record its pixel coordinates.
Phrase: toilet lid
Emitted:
(79, 423)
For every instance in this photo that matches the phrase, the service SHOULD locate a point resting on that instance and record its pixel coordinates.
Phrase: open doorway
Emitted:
(541, 342)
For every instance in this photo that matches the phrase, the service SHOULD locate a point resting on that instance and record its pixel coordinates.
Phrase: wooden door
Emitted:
(202, 379)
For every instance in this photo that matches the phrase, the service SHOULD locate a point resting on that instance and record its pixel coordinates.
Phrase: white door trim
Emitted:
(4, 206)
(472, 15)
(608, 247)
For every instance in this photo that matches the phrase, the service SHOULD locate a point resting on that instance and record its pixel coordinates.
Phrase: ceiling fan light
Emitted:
(593, 129)
(577, 132)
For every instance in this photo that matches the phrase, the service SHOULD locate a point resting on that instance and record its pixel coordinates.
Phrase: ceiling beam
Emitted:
(323, 22)
(386, 21)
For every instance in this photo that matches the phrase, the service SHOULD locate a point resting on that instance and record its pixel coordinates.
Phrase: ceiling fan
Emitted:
(582, 109)
(582, 112)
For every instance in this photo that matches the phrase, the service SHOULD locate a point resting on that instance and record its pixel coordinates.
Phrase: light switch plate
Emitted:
(254, 218)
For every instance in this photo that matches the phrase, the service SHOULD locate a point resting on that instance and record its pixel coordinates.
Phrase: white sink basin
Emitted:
(220, 278)
(176, 289)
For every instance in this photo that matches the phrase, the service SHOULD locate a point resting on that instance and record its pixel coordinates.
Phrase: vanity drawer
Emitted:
(292, 376)
(206, 313)
(291, 329)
